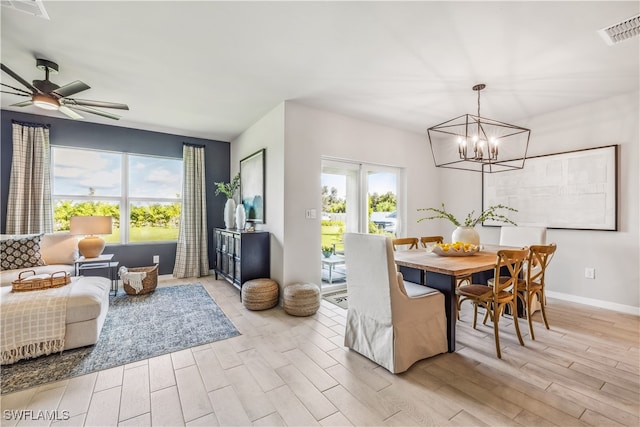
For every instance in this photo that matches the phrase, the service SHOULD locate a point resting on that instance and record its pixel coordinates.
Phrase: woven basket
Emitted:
(39, 282)
(149, 283)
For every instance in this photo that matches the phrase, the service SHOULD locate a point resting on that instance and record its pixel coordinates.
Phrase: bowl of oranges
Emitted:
(455, 249)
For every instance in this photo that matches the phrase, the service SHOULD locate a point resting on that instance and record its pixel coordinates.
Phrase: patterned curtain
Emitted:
(192, 257)
(29, 208)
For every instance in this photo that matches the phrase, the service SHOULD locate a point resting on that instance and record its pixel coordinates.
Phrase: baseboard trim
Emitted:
(628, 309)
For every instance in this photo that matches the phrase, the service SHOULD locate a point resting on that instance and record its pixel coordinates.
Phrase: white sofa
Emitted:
(88, 301)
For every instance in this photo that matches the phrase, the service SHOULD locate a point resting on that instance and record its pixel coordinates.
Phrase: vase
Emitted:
(229, 214)
(241, 217)
(466, 235)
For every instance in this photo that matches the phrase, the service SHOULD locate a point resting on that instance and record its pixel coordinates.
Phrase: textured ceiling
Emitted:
(211, 69)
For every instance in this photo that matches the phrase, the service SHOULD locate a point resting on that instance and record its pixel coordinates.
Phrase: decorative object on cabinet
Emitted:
(241, 217)
(241, 255)
(252, 169)
(229, 190)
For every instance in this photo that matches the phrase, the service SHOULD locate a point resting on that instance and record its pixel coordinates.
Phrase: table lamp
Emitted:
(92, 245)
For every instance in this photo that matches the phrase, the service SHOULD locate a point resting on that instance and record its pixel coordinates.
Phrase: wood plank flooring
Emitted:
(286, 370)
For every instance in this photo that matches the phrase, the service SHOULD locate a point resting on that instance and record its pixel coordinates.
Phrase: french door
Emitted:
(356, 197)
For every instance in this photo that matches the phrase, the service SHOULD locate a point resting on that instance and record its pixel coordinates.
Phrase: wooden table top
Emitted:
(456, 266)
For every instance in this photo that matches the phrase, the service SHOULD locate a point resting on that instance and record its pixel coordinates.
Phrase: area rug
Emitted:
(338, 298)
(137, 327)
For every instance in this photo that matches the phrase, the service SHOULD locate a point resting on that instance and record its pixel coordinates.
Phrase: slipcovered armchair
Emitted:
(392, 322)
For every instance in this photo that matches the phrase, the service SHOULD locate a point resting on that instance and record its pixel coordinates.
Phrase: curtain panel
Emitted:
(29, 207)
(192, 257)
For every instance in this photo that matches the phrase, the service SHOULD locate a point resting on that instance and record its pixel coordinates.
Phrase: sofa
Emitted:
(88, 297)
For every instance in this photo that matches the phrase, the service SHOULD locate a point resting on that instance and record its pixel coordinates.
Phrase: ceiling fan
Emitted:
(49, 96)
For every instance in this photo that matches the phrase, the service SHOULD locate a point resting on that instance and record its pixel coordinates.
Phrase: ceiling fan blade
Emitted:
(69, 112)
(19, 79)
(73, 102)
(17, 88)
(71, 89)
(22, 104)
(14, 93)
(94, 111)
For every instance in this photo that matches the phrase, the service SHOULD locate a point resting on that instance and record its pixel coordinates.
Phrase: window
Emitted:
(141, 193)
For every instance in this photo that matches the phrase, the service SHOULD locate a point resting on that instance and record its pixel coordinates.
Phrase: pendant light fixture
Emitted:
(471, 142)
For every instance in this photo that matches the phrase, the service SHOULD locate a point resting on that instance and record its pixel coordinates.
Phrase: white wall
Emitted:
(268, 132)
(311, 134)
(614, 255)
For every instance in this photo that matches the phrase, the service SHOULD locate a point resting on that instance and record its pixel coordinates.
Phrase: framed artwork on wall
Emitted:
(575, 190)
(252, 177)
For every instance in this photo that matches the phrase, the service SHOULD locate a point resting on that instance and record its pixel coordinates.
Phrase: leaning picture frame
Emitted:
(252, 178)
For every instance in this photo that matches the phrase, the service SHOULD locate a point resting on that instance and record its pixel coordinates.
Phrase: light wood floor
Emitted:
(285, 370)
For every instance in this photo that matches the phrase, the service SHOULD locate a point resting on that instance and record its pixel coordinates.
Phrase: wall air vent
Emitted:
(32, 7)
(621, 31)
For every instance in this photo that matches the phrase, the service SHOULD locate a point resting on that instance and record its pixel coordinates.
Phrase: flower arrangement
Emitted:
(228, 188)
(327, 250)
(491, 213)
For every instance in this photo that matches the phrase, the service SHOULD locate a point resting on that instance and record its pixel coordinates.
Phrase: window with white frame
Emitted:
(142, 193)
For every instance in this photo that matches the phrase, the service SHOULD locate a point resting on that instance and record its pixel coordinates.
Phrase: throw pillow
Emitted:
(20, 252)
(59, 248)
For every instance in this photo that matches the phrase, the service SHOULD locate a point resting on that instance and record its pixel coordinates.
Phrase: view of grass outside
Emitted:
(152, 222)
(332, 230)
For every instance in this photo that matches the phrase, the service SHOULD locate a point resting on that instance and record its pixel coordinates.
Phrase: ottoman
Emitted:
(301, 299)
(260, 294)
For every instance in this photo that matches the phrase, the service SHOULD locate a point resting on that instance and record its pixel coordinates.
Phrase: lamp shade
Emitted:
(90, 225)
(91, 246)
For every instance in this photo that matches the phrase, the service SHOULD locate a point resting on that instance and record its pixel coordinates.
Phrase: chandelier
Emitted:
(474, 143)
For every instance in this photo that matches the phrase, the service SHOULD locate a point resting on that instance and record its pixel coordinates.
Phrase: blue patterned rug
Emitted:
(137, 327)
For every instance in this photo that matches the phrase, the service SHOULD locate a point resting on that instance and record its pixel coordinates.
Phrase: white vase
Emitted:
(466, 235)
(241, 217)
(229, 214)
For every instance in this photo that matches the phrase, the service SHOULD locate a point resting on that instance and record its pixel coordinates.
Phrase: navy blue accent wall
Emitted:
(73, 133)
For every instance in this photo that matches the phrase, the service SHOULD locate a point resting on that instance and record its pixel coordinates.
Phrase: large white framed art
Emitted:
(572, 190)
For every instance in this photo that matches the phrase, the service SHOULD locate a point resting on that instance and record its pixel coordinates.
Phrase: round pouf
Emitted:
(301, 299)
(260, 294)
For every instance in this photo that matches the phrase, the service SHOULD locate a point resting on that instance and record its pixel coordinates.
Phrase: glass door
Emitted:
(382, 200)
(356, 197)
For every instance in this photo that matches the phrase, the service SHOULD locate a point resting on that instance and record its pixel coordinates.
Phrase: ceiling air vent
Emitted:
(32, 7)
(621, 31)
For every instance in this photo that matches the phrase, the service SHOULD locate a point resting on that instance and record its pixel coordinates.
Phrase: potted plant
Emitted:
(467, 233)
(327, 251)
(229, 190)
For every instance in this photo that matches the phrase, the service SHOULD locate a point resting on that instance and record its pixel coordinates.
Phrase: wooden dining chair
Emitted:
(539, 258)
(430, 239)
(411, 242)
(501, 294)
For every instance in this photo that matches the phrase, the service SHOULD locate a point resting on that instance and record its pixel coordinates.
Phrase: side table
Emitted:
(103, 261)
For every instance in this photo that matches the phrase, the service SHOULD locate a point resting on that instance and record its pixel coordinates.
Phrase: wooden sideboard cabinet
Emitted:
(242, 255)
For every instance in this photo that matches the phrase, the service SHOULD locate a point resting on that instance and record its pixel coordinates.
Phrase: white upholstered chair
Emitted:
(391, 322)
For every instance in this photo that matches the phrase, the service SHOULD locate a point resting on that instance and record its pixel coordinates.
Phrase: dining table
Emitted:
(442, 272)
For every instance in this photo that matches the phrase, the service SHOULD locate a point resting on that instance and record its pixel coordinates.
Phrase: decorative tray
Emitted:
(37, 282)
(472, 250)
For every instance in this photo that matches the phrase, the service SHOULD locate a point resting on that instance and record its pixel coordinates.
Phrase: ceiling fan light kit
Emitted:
(474, 143)
(49, 96)
(45, 102)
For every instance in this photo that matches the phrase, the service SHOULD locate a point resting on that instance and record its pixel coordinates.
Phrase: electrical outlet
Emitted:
(156, 259)
(590, 273)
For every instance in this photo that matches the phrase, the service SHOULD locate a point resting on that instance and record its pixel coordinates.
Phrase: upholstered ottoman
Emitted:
(260, 294)
(86, 309)
(301, 299)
